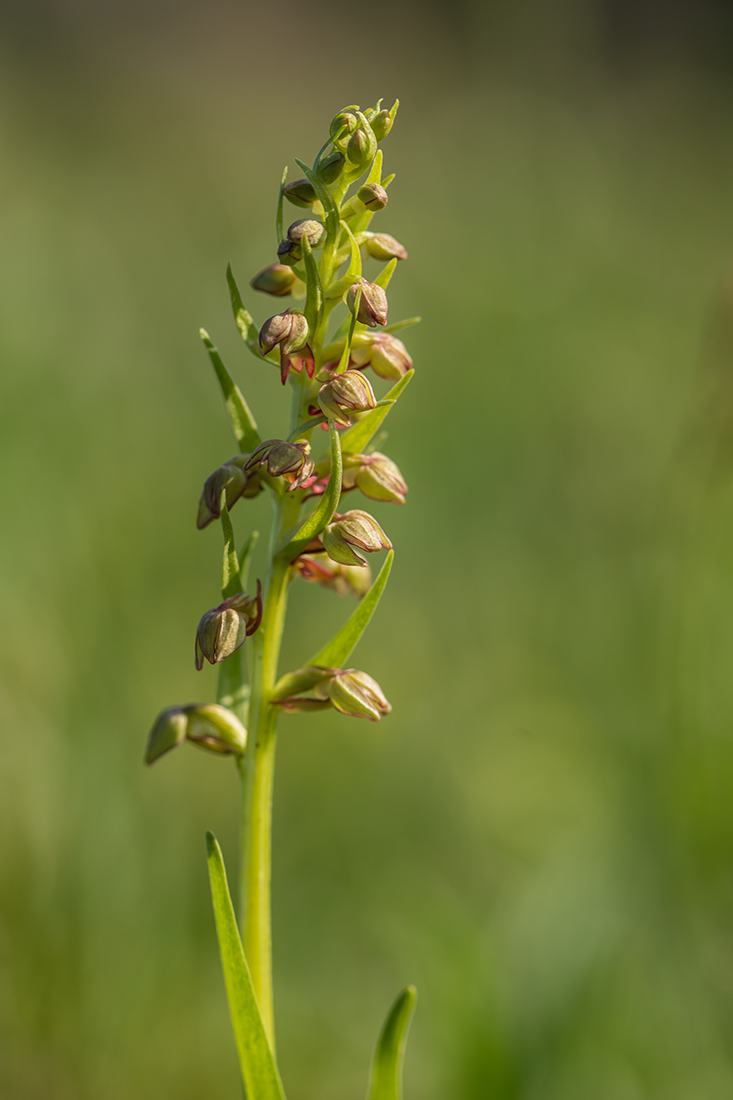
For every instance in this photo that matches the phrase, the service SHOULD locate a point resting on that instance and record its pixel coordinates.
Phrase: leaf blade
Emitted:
(243, 318)
(259, 1071)
(231, 583)
(242, 421)
(356, 437)
(342, 645)
(323, 514)
(326, 200)
(386, 1077)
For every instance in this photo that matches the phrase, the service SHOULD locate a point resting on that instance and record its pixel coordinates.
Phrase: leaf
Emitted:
(355, 439)
(346, 353)
(386, 1078)
(313, 310)
(375, 176)
(259, 1072)
(327, 201)
(402, 324)
(245, 558)
(323, 514)
(386, 274)
(336, 652)
(354, 270)
(243, 318)
(243, 423)
(231, 582)
(280, 199)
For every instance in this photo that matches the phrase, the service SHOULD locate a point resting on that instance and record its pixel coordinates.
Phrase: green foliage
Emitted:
(336, 652)
(242, 421)
(386, 1078)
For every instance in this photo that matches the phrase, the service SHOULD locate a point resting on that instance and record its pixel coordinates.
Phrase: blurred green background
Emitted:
(541, 835)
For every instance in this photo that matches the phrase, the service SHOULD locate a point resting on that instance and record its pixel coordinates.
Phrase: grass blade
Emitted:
(259, 1072)
(386, 1080)
(336, 652)
(355, 438)
(243, 423)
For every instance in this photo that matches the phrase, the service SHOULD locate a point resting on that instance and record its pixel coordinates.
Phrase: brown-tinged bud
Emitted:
(331, 167)
(373, 305)
(353, 529)
(307, 227)
(235, 479)
(290, 331)
(373, 195)
(385, 354)
(277, 279)
(223, 629)
(320, 569)
(383, 247)
(207, 725)
(346, 393)
(283, 459)
(300, 193)
(356, 694)
(376, 475)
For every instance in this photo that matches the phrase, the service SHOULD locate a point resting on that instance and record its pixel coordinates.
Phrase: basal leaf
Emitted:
(355, 438)
(259, 1071)
(231, 581)
(386, 1079)
(323, 514)
(336, 652)
(243, 423)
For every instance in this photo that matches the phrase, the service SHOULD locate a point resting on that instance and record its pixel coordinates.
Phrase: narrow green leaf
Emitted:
(245, 559)
(326, 199)
(243, 423)
(336, 652)
(232, 690)
(386, 274)
(346, 353)
(386, 1080)
(243, 318)
(259, 1071)
(386, 182)
(355, 438)
(314, 290)
(354, 269)
(231, 582)
(402, 324)
(306, 427)
(375, 176)
(323, 514)
(280, 200)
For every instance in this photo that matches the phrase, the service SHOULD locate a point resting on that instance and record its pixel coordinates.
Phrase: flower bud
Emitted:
(320, 569)
(207, 725)
(376, 475)
(381, 124)
(277, 279)
(307, 227)
(345, 120)
(222, 630)
(290, 331)
(373, 195)
(289, 460)
(383, 247)
(300, 193)
(372, 303)
(345, 393)
(356, 694)
(354, 528)
(235, 479)
(358, 150)
(385, 354)
(331, 167)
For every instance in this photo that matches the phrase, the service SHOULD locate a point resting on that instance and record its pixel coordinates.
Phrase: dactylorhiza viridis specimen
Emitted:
(333, 365)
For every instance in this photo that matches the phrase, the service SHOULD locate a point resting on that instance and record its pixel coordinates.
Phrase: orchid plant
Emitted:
(314, 537)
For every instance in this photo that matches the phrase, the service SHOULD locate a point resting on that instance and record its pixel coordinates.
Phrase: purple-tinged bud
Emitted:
(383, 247)
(331, 167)
(290, 331)
(223, 629)
(320, 569)
(381, 124)
(207, 725)
(289, 460)
(353, 528)
(346, 393)
(279, 280)
(376, 475)
(356, 694)
(387, 356)
(237, 481)
(372, 303)
(300, 193)
(373, 195)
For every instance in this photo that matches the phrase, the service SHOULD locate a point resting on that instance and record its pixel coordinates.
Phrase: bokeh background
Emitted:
(541, 835)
